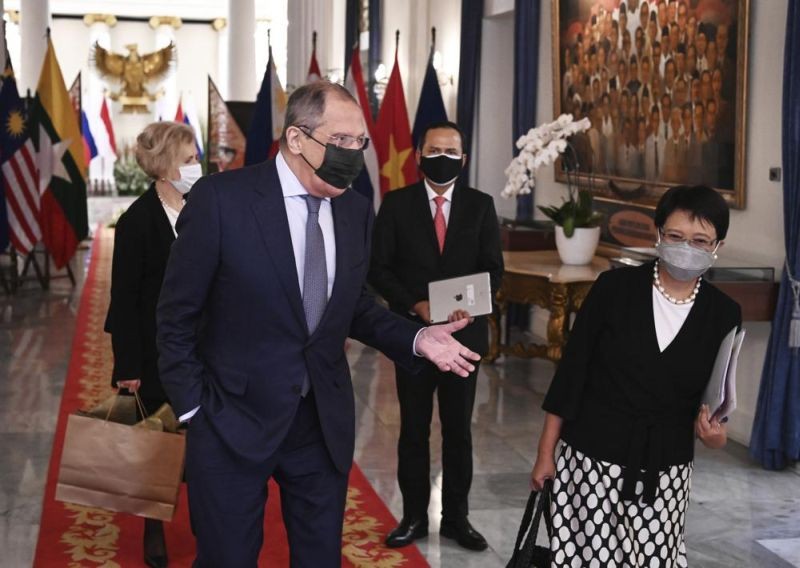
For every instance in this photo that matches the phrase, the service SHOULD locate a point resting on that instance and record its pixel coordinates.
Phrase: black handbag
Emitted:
(528, 553)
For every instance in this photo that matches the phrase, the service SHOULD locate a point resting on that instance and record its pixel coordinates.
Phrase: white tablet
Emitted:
(472, 293)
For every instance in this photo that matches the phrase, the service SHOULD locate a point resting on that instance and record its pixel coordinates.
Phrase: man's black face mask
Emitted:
(441, 169)
(340, 166)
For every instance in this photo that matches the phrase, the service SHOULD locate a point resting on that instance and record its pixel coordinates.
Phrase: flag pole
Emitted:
(314, 41)
(269, 47)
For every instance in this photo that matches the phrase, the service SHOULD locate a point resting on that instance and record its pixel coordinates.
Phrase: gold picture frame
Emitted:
(618, 158)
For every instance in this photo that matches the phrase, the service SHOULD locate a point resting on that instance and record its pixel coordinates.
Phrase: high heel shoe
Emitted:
(155, 547)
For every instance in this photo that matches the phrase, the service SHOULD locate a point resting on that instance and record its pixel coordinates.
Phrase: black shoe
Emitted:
(409, 530)
(155, 547)
(156, 561)
(463, 533)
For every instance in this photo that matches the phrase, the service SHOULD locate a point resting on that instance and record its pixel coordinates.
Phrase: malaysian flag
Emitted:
(18, 166)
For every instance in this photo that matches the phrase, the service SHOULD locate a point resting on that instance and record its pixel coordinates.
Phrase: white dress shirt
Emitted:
(297, 212)
(448, 196)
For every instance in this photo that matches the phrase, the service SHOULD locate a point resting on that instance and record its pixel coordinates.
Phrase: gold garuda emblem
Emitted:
(133, 71)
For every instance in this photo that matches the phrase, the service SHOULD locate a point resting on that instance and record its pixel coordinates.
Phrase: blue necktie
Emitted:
(315, 273)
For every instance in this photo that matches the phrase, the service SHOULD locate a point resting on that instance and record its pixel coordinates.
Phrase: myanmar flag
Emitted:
(61, 163)
(393, 137)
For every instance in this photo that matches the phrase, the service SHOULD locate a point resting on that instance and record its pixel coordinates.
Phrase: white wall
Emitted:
(756, 233)
(414, 19)
(493, 138)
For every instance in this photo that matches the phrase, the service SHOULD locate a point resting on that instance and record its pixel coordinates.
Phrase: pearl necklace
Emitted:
(660, 288)
(165, 204)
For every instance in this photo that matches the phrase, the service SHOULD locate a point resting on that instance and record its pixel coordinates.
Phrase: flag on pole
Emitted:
(20, 222)
(314, 74)
(179, 111)
(89, 146)
(393, 135)
(266, 125)
(75, 95)
(190, 118)
(368, 181)
(431, 105)
(105, 116)
(62, 186)
(226, 141)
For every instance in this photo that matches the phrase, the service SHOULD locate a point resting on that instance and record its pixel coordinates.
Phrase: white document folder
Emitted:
(720, 394)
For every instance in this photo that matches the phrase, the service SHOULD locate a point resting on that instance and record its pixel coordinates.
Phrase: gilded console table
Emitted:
(539, 278)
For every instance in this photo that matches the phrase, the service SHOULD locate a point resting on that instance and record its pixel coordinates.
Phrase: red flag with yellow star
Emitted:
(393, 137)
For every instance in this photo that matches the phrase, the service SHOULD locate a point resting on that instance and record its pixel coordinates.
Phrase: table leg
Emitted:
(495, 322)
(557, 322)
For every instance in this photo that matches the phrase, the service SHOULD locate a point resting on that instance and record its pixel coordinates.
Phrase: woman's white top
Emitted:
(669, 318)
(172, 215)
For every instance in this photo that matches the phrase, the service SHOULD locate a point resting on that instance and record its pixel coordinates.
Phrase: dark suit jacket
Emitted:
(142, 242)
(405, 252)
(232, 332)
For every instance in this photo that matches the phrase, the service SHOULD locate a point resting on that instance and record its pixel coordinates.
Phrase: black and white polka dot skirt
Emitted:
(594, 528)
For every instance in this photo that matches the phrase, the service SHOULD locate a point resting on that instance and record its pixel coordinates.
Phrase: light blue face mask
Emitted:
(683, 261)
(189, 176)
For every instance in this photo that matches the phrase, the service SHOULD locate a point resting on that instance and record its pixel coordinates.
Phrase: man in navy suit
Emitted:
(264, 284)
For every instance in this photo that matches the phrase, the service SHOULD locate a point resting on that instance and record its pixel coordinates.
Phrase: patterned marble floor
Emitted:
(740, 515)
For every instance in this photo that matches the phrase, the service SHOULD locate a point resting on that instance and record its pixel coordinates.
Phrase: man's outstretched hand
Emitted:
(437, 345)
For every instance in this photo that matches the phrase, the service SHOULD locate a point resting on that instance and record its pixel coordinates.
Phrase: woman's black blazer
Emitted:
(142, 243)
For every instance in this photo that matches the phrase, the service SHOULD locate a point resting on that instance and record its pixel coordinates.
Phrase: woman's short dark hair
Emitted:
(700, 202)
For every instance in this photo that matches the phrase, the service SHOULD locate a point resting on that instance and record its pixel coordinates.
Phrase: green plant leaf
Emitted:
(569, 227)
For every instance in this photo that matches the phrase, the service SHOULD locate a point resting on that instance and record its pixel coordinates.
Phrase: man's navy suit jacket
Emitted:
(232, 332)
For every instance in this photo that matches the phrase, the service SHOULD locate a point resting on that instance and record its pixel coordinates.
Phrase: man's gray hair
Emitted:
(306, 104)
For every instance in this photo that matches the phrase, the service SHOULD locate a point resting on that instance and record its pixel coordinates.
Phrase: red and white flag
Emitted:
(368, 185)
(105, 116)
(314, 74)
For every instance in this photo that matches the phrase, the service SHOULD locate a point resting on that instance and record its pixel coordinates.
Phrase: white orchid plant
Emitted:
(541, 146)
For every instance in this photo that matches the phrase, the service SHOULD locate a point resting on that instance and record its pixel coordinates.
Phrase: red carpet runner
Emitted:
(78, 537)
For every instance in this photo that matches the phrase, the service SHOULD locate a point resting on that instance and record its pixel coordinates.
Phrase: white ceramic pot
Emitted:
(580, 247)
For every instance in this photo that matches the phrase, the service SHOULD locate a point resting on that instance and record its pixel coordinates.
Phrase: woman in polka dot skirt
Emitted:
(625, 401)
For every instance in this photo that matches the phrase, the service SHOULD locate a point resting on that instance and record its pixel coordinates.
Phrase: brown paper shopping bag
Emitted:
(123, 468)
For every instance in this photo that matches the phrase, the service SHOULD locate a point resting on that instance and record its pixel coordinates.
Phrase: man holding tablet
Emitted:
(433, 230)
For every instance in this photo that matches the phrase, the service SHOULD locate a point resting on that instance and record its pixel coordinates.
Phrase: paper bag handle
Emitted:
(138, 403)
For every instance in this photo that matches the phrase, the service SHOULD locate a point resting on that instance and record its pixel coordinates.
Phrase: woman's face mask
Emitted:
(683, 261)
(189, 176)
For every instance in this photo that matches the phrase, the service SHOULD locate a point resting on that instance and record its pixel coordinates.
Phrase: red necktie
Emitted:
(438, 221)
